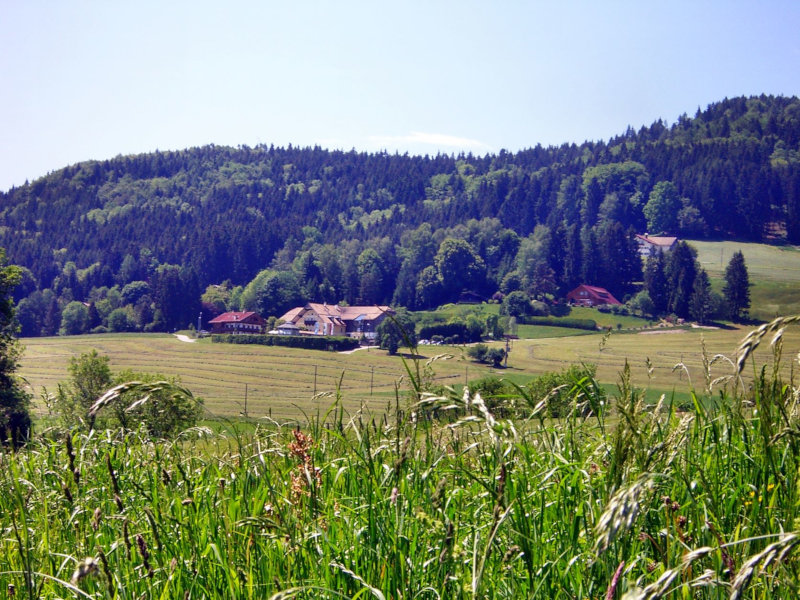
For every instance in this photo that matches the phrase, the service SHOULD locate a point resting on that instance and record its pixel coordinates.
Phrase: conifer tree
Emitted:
(737, 287)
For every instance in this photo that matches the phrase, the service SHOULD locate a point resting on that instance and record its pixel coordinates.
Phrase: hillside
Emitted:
(359, 227)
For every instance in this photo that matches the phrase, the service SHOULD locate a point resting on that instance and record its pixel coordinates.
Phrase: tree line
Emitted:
(148, 242)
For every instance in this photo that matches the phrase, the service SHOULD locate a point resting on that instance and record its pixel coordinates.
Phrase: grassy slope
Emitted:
(774, 272)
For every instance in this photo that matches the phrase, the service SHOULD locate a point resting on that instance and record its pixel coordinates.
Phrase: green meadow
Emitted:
(291, 384)
(441, 497)
(774, 274)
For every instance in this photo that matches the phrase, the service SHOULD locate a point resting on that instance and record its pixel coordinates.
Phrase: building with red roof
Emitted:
(591, 295)
(238, 323)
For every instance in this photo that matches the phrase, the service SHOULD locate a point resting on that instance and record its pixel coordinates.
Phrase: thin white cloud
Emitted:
(439, 140)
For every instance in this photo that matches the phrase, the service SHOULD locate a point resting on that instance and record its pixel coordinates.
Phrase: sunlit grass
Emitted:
(440, 498)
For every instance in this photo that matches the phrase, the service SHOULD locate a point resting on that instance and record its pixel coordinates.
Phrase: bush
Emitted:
(495, 356)
(309, 342)
(160, 405)
(559, 402)
(397, 330)
(539, 308)
(495, 392)
(516, 304)
(478, 352)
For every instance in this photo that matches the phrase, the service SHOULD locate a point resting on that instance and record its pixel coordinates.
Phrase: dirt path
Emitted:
(185, 338)
(357, 349)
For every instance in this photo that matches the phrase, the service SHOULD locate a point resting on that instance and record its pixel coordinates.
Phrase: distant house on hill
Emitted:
(653, 243)
(332, 319)
(238, 323)
(590, 295)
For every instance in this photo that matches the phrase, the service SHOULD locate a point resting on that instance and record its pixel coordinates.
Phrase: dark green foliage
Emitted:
(571, 322)
(655, 282)
(662, 208)
(15, 419)
(397, 330)
(457, 332)
(495, 356)
(478, 352)
(737, 287)
(516, 304)
(496, 393)
(162, 412)
(90, 377)
(459, 268)
(416, 230)
(680, 271)
(700, 302)
(558, 388)
(74, 319)
(272, 293)
(310, 342)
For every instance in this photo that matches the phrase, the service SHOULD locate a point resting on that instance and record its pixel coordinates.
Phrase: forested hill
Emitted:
(360, 226)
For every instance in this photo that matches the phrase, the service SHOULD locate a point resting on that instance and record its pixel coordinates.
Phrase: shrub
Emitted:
(539, 308)
(559, 388)
(495, 356)
(160, 405)
(516, 304)
(478, 352)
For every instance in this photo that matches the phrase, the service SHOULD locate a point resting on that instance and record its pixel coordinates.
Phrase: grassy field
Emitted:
(281, 382)
(629, 503)
(774, 272)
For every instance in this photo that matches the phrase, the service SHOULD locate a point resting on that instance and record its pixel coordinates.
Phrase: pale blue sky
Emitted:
(93, 79)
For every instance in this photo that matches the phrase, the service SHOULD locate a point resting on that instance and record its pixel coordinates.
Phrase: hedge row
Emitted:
(572, 323)
(455, 331)
(309, 342)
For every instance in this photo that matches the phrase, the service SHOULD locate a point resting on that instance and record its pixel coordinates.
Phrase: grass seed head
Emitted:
(88, 566)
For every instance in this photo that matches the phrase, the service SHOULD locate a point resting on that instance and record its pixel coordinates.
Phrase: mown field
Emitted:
(281, 382)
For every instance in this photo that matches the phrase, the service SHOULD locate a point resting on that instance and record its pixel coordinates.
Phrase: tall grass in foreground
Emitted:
(618, 500)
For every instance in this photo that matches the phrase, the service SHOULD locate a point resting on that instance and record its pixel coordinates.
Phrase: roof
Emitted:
(234, 317)
(657, 240)
(597, 292)
(333, 313)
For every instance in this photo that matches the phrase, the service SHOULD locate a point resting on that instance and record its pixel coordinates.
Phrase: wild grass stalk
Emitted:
(448, 499)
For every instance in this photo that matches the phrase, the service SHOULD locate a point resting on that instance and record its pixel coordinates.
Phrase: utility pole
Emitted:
(245, 400)
(199, 323)
(315, 380)
(371, 380)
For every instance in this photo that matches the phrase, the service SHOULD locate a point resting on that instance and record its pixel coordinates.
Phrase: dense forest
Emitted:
(146, 242)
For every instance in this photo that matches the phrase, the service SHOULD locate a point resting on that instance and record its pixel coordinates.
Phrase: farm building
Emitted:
(332, 319)
(590, 295)
(650, 243)
(238, 323)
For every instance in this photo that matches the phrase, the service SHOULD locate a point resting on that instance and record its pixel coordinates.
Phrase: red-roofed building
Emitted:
(332, 319)
(238, 322)
(590, 295)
